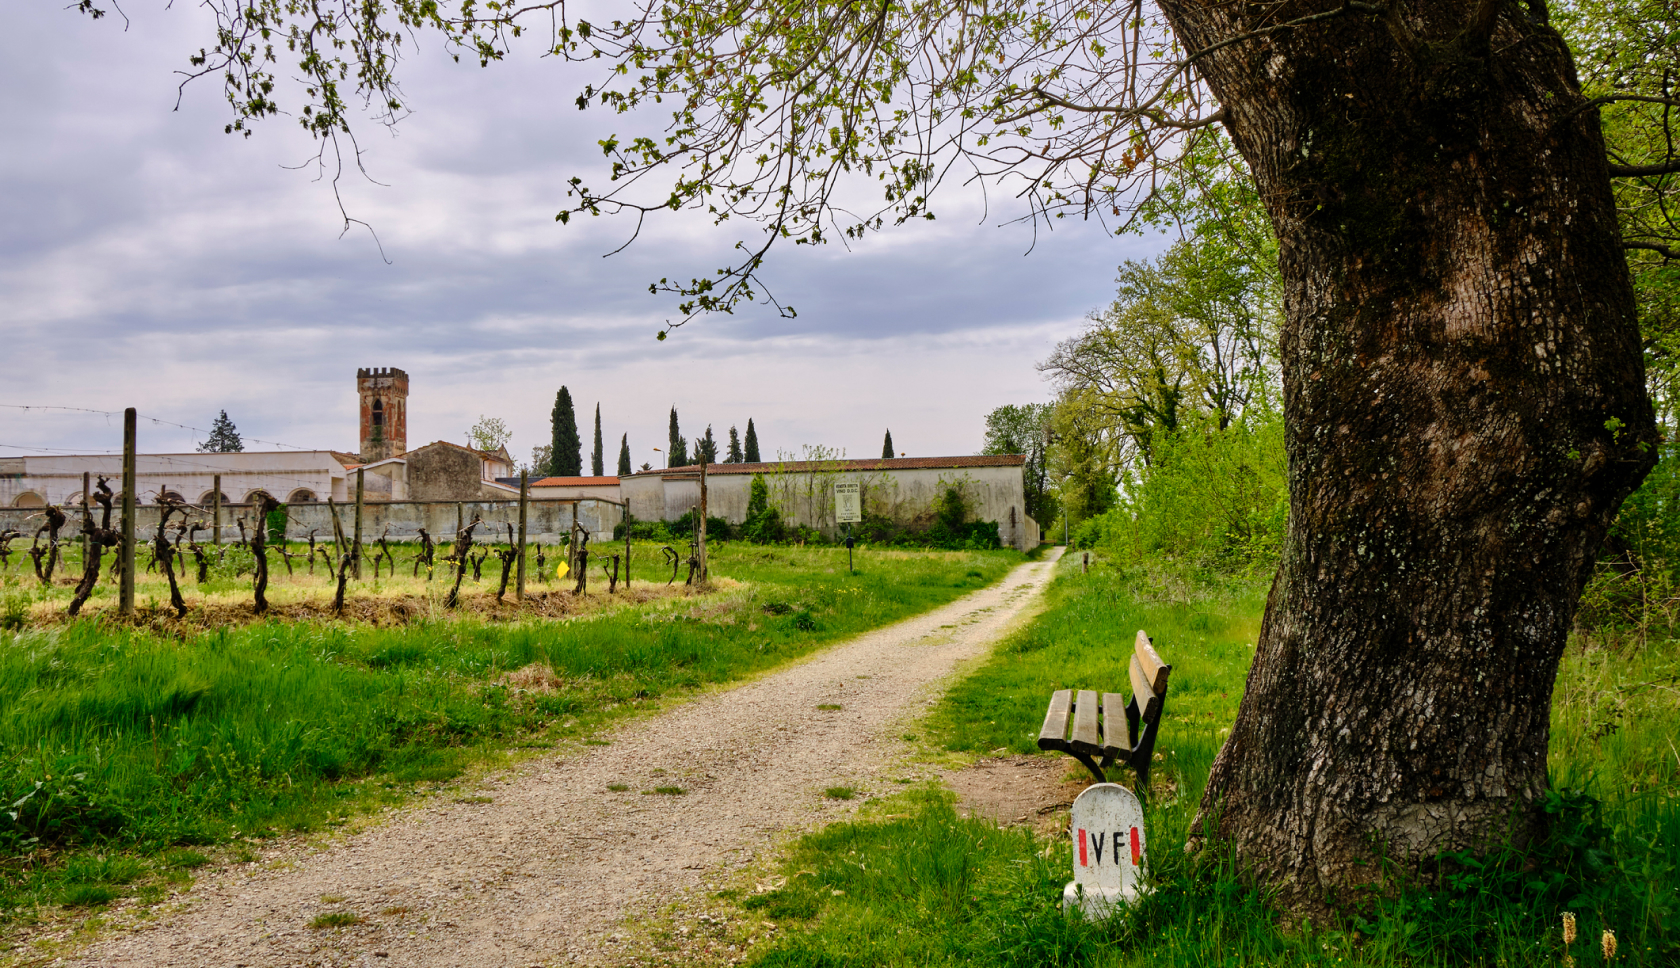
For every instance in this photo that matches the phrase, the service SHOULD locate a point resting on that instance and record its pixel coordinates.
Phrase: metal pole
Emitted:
(356, 543)
(125, 600)
(216, 511)
(524, 500)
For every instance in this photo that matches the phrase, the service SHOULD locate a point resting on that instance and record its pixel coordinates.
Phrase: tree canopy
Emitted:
(566, 456)
(224, 437)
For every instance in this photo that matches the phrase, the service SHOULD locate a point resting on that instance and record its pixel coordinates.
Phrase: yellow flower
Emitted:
(1569, 927)
(1609, 944)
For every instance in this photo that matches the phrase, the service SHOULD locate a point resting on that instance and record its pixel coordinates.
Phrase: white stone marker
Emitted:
(1108, 851)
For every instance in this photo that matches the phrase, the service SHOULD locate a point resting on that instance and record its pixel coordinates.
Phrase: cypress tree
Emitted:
(597, 459)
(887, 447)
(677, 456)
(624, 456)
(752, 443)
(567, 457)
(705, 448)
(734, 448)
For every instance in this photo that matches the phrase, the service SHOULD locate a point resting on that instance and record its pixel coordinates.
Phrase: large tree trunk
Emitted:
(1465, 408)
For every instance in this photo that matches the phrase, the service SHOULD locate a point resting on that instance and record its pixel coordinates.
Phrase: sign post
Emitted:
(1108, 851)
(848, 510)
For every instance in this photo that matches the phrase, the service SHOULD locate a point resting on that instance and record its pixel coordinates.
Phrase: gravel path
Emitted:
(548, 868)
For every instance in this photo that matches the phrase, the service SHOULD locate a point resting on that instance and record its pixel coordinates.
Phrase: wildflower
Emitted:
(1568, 928)
(1609, 944)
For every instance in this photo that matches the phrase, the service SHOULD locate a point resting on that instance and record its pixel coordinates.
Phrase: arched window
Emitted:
(168, 494)
(379, 413)
(256, 496)
(302, 495)
(29, 499)
(209, 498)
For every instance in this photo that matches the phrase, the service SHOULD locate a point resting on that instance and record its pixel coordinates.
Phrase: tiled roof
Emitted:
(874, 464)
(576, 482)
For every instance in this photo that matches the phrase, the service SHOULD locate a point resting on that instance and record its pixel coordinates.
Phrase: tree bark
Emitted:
(1466, 410)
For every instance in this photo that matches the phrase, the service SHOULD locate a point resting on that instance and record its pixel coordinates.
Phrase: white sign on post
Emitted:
(1108, 851)
(848, 503)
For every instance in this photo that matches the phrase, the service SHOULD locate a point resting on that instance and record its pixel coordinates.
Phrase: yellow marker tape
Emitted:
(560, 572)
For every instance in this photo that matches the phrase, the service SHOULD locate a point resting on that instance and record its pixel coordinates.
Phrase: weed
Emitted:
(335, 919)
(840, 792)
(667, 791)
(87, 895)
(829, 707)
(618, 787)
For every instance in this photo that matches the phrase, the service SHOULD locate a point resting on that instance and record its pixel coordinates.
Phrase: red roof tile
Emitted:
(576, 482)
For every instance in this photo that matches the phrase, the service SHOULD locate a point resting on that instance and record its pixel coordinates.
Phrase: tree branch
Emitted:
(1644, 171)
(1656, 247)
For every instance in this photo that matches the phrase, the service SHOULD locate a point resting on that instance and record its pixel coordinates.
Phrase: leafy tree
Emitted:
(705, 447)
(597, 459)
(887, 446)
(677, 456)
(1193, 329)
(224, 437)
(490, 433)
(567, 455)
(1463, 381)
(624, 456)
(752, 443)
(1025, 429)
(542, 461)
(734, 448)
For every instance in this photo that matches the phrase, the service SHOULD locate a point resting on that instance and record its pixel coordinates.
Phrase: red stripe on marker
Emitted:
(1137, 851)
(1082, 861)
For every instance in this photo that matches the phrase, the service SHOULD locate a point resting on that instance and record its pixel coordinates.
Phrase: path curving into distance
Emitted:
(544, 872)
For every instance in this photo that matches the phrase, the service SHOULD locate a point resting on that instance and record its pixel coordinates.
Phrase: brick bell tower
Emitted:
(384, 408)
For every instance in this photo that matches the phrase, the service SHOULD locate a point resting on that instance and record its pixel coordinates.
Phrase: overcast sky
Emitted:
(149, 260)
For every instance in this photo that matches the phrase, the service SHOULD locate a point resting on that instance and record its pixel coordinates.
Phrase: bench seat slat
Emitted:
(1053, 735)
(1117, 740)
(1086, 737)
(1148, 704)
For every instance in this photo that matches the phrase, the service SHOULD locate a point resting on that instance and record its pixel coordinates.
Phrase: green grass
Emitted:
(122, 742)
(335, 919)
(840, 792)
(911, 883)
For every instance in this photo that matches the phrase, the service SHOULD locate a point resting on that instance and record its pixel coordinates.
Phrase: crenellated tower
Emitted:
(384, 407)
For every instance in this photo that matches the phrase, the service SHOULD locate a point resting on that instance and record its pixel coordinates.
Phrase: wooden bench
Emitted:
(1083, 726)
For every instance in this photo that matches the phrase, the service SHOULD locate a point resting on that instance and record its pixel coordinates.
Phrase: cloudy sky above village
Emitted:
(152, 261)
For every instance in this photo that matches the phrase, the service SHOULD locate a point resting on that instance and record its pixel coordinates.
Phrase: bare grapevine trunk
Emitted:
(1466, 410)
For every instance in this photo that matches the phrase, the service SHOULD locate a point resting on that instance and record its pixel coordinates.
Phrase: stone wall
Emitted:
(546, 521)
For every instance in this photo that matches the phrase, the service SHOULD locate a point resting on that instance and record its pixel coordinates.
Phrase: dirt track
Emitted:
(547, 869)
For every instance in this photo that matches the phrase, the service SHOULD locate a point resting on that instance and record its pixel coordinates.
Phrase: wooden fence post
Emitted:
(125, 599)
(626, 518)
(519, 563)
(216, 511)
(701, 544)
(87, 516)
(356, 544)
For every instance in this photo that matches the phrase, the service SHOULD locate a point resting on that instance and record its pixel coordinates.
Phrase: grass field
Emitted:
(131, 753)
(911, 883)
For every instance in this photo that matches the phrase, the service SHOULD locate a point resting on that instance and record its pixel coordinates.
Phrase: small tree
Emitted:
(542, 461)
(705, 447)
(223, 439)
(887, 446)
(566, 459)
(597, 457)
(490, 433)
(677, 455)
(624, 456)
(752, 443)
(734, 448)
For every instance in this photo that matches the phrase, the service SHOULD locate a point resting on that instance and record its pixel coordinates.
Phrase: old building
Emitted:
(439, 471)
